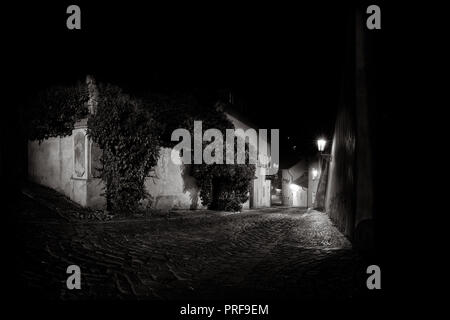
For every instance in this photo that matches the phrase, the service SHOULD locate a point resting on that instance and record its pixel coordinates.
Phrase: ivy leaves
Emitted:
(127, 132)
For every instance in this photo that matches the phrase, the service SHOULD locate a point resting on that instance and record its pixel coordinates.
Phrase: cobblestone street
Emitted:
(273, 253)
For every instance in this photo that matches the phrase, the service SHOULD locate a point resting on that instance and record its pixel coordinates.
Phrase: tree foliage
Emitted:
(54, 111)
(127, 132)
(222, 186)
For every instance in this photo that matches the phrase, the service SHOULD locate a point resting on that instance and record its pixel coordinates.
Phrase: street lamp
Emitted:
(321, 144)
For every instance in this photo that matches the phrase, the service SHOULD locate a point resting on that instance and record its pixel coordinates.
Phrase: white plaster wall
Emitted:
(261, 189)
(50, 163)
(294, 197)
(171, 187)
(260, 193)
(312, 184)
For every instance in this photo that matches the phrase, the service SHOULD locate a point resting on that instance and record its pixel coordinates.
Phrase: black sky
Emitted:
(284, 62)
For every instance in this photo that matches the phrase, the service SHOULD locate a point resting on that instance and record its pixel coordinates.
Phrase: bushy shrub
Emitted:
(222, 186)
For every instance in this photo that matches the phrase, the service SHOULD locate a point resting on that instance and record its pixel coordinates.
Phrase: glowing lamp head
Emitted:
(294, 187)
(321, 144)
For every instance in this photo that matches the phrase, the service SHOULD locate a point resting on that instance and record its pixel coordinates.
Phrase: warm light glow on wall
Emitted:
(315, 173)
(294, 187)
(321, 144)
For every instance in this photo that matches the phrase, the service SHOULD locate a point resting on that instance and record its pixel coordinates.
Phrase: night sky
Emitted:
(284, 63)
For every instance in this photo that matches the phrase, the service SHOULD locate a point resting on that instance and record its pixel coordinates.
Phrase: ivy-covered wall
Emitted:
(54, 163)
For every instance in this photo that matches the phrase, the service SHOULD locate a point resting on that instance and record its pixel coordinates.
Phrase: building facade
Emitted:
(299, 183)
(294, 188)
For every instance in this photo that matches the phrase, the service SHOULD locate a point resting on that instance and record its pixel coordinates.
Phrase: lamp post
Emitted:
(319, 201)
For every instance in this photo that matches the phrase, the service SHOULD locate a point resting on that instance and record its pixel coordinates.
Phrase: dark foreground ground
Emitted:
(273, 253)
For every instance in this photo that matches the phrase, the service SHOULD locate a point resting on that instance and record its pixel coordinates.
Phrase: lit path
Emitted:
(267, 253)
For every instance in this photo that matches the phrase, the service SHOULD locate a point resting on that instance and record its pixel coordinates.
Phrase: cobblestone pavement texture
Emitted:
(273, 253)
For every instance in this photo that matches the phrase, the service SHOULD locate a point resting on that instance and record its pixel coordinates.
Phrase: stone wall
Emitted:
(350, 194)
(341, 178)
